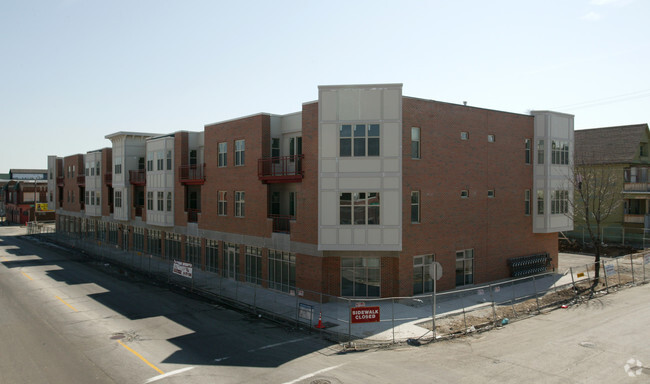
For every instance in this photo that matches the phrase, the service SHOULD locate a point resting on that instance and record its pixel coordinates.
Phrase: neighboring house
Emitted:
(355, 195)
(21, 193)
(623, 150)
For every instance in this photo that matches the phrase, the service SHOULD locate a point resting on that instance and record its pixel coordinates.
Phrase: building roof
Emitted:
(610, 145)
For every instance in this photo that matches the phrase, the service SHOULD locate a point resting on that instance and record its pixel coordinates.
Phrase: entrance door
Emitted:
(231, 262)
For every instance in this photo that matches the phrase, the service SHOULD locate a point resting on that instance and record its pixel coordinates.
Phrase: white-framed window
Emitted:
(560, 152)
(240, 147)
(422, 280)
(169, 201)
(92, 198)
(527, 144)
(359, 208)
(415, 206)
(527, 202)
(223, 154)
(491, 193)
(150, 161)
(359, 140)
(254, 265)
(160, 161)
(415, 143)
(98, 199)
(282, 270)
(464, 267)
(222, 204)
(540, 152)
(540, 202)
(150, 201)
(464, 135)
(464, 194)
(491, 138)
(239, 203)
(118, 165)
(161, 201)
(559, 202)
(275, 149)
(118, 199)
(212, 255)
(295, 148)
(169, 160)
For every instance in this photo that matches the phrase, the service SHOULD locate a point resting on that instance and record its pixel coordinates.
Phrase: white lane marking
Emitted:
(222, 358)
(160, 377)
(278, 344)
(307, 376)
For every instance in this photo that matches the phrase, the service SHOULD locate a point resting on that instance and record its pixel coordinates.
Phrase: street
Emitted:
(64, 318)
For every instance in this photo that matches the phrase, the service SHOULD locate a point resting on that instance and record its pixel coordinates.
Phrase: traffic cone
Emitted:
(320, 321)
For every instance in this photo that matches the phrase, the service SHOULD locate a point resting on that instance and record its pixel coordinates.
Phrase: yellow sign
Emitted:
(581, 274)
(42, 207)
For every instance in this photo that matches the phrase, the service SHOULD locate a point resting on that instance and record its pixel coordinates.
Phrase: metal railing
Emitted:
(193, 215)
(191, 174)
(281, 223)
(281, 169)
(138, 177)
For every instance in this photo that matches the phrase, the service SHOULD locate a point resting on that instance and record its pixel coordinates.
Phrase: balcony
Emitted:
(281, 223)
(283, 169)
(81, 180)
(192, 174)
(633, 219)
(636, 187)
(138, 210)
(138, 177)
(59, 181)
(193, 215)
(108, 178)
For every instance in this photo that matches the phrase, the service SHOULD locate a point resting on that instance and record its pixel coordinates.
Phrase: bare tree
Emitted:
(597, 194)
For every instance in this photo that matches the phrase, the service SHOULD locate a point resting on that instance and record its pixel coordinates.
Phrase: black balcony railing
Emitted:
(138, 177)
(193, 215)
(193, 174)
(283, 169)
(281, 223)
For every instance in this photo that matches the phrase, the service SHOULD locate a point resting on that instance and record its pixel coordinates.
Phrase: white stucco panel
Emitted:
(361, 183)
(329, 105)
(345, 236)
(370, 104)
(391, 236)
(328, 165)
(374, 236)
(391, 182)
(391, 165)
(328, 183)
(359, 165)
(391, 139)
(392, 103)
(329, 211)
(329, 143)
(348, 104)
(328, 235)
(359, 236)
(390, 204)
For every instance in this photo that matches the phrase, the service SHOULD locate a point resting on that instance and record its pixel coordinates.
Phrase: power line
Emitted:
(606, 100)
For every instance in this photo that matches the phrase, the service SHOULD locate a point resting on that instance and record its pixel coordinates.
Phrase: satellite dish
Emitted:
(435, 270)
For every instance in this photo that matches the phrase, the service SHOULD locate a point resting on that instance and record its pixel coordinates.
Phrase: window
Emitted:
(540, 152)
(212, 256)
(359, 140)
(275, 203)
(193, 157)
(169, 201)
(97, 168)
(230, 260)
(92, 198)
(540, 202)
(491, 138)
(223, 204)
(160, 161)
(360, 276)
(293, 203)
(141, 162)
(161, 201)
(527, 150)
(490, 193)
(98, 200)
(223, 154)
(239, 203)
(464, 135)
(415, 206)
(118, 165)
(560, 152)
(112, 233)
(275, 149)
(138, 239)
(359, 208)
(415, 143)
(559, 202)
(150, 201)
(150, 161)
(87, 169)
(295, 148)
(92, 170)
(193, 250)
(169, 160)
(254, 265)
(282, 270)
(118, 199)
(87, 197)
(154, 242)
(239, 152)
(527, 202)
(422, 280)
(464, 194)
(464, 267)
(172, 246)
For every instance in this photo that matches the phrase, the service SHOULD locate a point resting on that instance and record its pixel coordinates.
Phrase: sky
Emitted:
(73, 71)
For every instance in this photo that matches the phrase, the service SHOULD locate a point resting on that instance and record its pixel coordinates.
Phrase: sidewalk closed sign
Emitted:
(183, 269)
(365, 314)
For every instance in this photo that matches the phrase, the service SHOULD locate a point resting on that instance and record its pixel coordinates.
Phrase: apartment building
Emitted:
(22, 194)
(355, 195)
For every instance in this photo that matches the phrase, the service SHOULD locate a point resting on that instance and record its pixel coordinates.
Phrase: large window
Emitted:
(154, 242)
(560, 152)
(422, 281)
(169, 160)
(160, 161)
(118, 199)
(172, 246)
(239, 203)
(275, 149)
(160, 202)
(415, 206)
(138, 239)
(540, 152)
(193, 250)
(149, 161)
(527, 202)
(223, 204)
(464, 267)
(150, 201)
(118, 165)
(212, 256)
(223, 154)
(359, 140)
(112, 232)
(540, 202)
(415, 143)
(230, 260)
(240, 147)
(282, 270)
(169, 201)
(254, 265)
(359, 208)
(360, 276)
(527, 150)
(559, 202)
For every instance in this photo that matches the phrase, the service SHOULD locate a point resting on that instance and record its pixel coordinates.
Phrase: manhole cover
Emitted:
(117, 336)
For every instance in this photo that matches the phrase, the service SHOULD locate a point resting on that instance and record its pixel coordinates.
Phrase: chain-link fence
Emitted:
(385, 320)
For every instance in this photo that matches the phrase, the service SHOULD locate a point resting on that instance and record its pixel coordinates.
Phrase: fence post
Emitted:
(602, 262)
(632, 266)
(573, 281)
(618, 271)
(512, 302)
(536, 298)
(349, 322)
(392, 310)
(494, 310)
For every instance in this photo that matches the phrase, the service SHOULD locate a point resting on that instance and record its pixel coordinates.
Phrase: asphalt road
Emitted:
(64, 320)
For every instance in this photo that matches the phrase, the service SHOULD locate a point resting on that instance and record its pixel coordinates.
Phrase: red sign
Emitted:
(365, 314)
